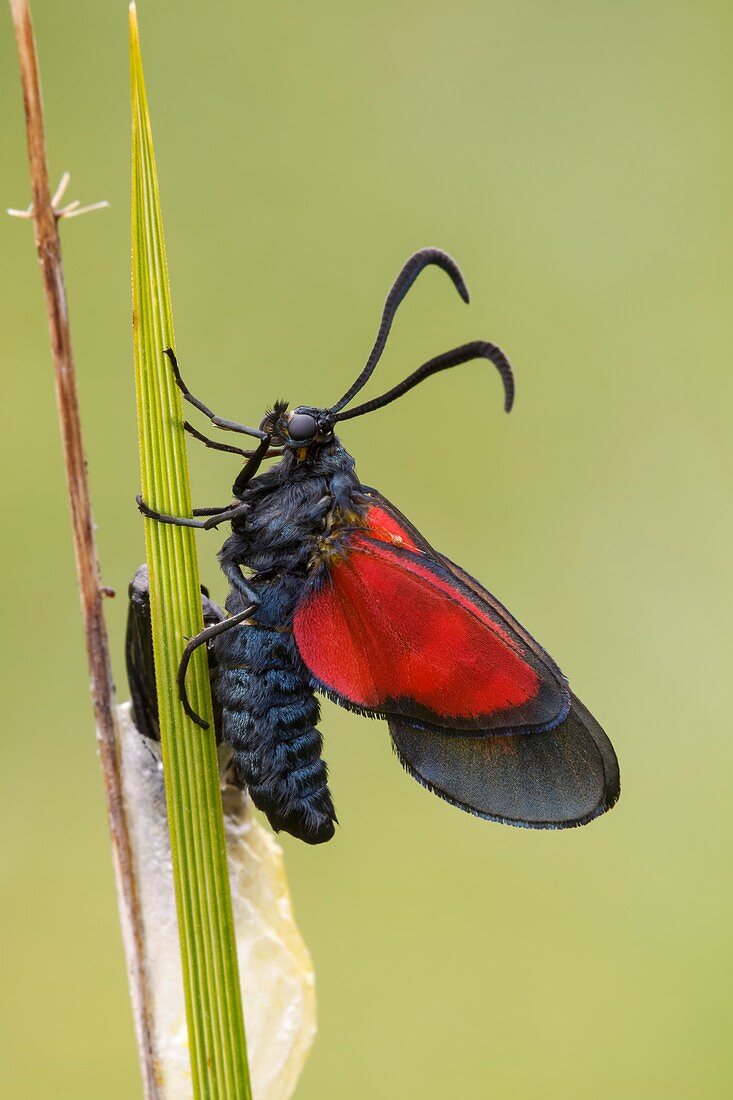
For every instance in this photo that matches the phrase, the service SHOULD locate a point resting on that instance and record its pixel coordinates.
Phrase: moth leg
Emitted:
(232, 512)
(250, 468)
(233, 574)
(225, 425)
(212, 442)
(203, 638)
(215, 446)
(216, 516)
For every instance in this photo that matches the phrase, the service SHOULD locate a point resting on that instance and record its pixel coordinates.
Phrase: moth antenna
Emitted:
(426, 257)
(479, 349)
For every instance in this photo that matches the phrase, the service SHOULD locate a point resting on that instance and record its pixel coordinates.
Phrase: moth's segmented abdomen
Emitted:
(269, 717)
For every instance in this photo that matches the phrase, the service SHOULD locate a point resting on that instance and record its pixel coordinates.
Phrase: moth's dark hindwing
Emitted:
(554, 780)
(269, 716)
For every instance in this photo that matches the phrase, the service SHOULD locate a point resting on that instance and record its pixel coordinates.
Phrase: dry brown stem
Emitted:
(91, 590)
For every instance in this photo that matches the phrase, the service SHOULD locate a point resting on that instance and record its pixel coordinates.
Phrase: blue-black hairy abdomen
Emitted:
(269, 709)
(269, 717)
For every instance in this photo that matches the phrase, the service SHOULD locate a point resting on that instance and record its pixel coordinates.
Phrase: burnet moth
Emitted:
(342, 596)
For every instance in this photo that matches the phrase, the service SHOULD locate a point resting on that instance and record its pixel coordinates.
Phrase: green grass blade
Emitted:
(208, 952)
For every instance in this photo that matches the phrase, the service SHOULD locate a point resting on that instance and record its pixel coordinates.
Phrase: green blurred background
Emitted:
(576, 158)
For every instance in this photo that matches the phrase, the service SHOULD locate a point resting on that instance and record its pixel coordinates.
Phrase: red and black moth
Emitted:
(342, 596)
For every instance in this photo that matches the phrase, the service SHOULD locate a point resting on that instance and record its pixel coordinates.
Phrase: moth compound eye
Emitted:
(301, 427)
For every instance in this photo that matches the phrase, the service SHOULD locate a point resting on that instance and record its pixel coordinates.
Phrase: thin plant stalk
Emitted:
(45, 221)
(203, 901)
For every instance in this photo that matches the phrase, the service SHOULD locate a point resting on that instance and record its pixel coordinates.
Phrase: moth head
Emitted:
(306, 425)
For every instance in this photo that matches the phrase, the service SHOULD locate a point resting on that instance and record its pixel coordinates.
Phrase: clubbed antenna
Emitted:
(478, 349)
(426, 257)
